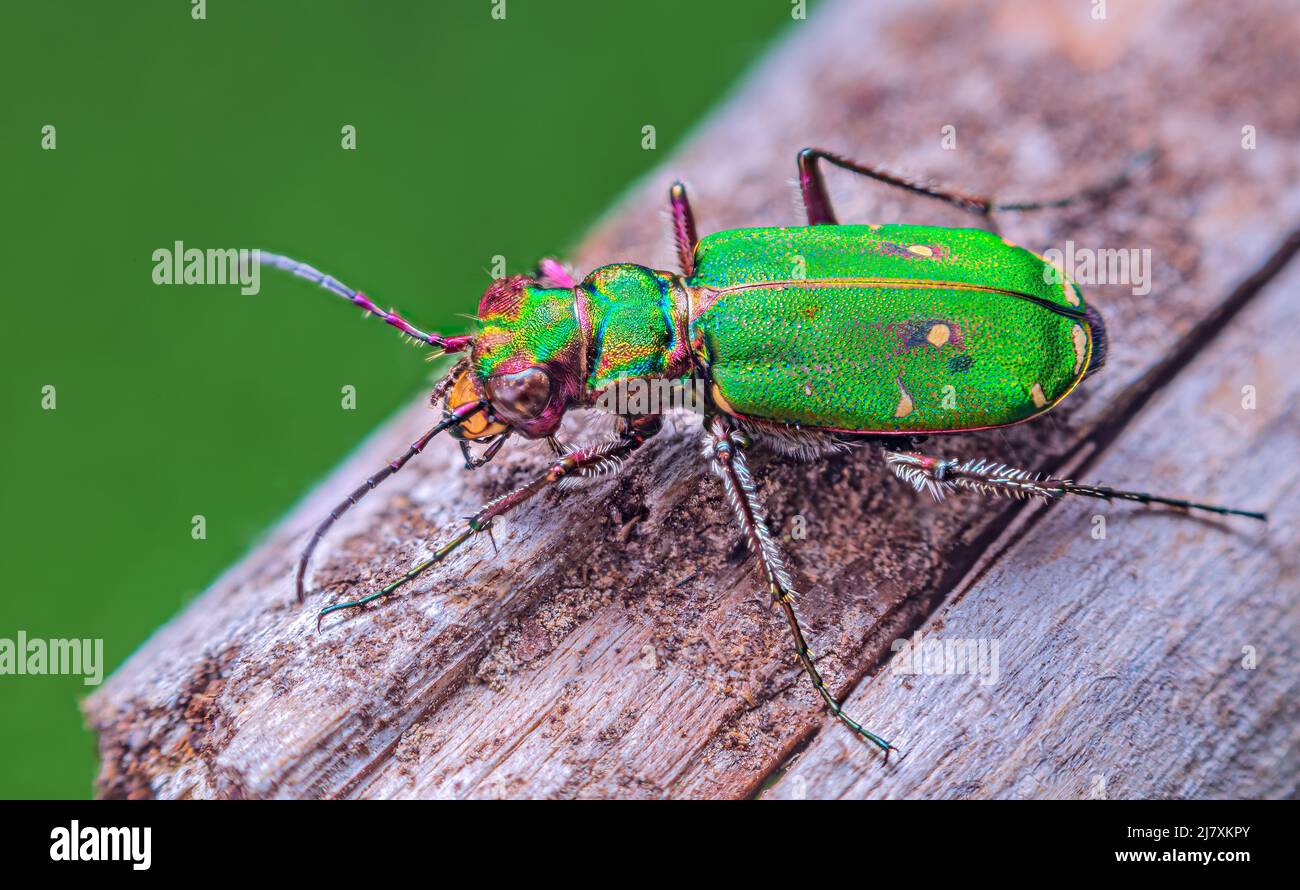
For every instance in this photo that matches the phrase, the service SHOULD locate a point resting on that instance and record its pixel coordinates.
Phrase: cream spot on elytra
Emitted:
(939, 334)
(905, 403)
(1080, 339)
(1036, 393)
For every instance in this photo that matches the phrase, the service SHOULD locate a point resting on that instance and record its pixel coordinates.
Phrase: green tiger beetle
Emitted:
(806, 339)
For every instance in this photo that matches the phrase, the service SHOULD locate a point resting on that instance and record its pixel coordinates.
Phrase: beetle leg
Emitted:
(1094, 192)
(449, 420)
(817, 201)
(472, 462)
(576, 462)
(552, 273)
(642, 425)
(683, 227)
(722, 448)
(939, 477)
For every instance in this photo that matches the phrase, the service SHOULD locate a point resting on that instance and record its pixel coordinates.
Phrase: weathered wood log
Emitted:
(618, 644)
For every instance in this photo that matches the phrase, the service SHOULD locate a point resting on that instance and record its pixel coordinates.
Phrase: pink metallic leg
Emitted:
(683, 228)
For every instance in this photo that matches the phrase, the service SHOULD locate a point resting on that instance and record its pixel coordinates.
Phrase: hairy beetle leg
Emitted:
(939, 477)
(723, 449)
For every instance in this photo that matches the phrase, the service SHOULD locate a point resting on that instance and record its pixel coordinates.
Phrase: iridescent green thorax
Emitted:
(884, 328)
(636, 319)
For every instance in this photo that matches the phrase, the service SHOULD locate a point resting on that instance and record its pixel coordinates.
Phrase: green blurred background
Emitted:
(475, 137)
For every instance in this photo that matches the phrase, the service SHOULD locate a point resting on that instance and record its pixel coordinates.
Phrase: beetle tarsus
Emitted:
(1098, 191)
(817, 202)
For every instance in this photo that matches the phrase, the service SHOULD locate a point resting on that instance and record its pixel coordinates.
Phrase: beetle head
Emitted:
(526, 361)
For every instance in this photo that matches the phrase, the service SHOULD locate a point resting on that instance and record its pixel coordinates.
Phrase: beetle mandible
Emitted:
(807, 339)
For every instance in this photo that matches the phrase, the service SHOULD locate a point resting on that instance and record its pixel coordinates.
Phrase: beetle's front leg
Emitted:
(450, 418)
(723, 449)
(579, 462)
(939, 476)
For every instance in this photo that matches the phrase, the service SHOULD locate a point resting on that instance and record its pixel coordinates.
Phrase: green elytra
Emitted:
(808, 339)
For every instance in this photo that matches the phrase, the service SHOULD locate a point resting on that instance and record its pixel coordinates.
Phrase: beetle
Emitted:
(807, 339)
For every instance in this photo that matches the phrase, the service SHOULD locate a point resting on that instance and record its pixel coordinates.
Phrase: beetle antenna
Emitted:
(356, 297)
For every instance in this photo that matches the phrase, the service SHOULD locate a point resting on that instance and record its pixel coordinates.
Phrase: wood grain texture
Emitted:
(618, 645)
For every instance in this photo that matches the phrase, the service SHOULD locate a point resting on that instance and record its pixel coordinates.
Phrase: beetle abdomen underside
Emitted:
(889, 329)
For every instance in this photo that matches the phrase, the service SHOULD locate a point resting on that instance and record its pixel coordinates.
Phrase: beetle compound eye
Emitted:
(522, 396)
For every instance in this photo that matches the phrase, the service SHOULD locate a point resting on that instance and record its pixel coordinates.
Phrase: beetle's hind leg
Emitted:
(817, 200)
(1095, 192)
(939, 476)
(723, 449)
